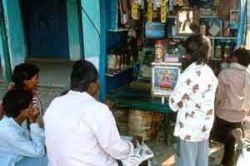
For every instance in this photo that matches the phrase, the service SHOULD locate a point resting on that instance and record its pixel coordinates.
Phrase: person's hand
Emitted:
(32, 114)
(137, 140)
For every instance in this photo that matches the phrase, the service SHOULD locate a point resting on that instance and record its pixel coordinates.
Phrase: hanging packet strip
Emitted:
(150, 11)
(135, 10)
(164, 10)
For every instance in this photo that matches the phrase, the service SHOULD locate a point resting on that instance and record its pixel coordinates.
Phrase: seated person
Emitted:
(79, 129)
(1, 111)
(19, 145)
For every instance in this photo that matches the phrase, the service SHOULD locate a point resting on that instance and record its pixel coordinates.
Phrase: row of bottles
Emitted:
(222, 52)
(118, 60)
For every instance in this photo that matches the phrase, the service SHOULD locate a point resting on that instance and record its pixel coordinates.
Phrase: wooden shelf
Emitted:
(172, 16)
(223, 37)
(119, 72)
(209, 17)
(118, 30)
(215, 59)
(212, 37)
(178, 37)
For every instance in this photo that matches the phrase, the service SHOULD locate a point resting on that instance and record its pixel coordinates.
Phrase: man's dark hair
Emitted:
(15, 101)
(83, 74)
(23, 72)
(198, 48)
(243, 56)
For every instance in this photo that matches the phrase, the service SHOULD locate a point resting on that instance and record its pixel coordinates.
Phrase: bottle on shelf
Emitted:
(111, 64)
(218, 52)
(159, 51)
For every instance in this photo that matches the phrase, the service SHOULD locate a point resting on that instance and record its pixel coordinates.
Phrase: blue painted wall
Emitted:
(74, 34)
(91, 17)
(46, 29)
(14, 31)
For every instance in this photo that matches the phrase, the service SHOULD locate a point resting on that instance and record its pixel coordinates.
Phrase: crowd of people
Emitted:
(78, 130)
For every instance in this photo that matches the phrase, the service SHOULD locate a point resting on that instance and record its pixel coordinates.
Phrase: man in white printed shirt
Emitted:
(193, 98)
(79, 130)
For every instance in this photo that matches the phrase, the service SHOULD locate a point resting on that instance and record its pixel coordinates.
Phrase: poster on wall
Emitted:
(164, 78)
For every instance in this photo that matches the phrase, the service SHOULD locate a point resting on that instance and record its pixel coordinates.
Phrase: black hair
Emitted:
(15, 101)
(83, 74)
(198, 48)
(23, 72)
(243, 56)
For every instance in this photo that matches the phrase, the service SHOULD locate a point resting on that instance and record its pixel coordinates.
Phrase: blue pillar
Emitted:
(242, 23)
(14, 30)
(4, 49)
(91, 30)
(94, 38)
(103, 50)
(73, 30)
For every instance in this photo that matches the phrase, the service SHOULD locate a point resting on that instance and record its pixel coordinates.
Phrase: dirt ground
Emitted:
(164, 151)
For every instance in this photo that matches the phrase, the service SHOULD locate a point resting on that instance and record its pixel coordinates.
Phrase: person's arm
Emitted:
(109, 137)
(219, 92)
(29, 147)
(1, 111)
(178, 94)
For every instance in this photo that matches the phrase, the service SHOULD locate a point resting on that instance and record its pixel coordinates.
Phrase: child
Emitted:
(17, 145)
(232, 102)
(193, 98)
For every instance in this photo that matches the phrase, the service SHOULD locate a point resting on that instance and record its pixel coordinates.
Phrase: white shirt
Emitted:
(193, 98)
(80, 131)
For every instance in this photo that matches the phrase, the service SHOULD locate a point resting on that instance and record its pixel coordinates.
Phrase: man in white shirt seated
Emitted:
(19, 146)
(79, 130)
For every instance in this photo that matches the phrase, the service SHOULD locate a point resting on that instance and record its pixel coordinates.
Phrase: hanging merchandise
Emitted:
(179, 2)
(156, 4)
(123, 11)
(135, 15)
(223, 9)
(164, 10)
(150, 11)
(171, 5)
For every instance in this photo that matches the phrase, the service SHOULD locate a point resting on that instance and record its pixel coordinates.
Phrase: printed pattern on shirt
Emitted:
(193, 98)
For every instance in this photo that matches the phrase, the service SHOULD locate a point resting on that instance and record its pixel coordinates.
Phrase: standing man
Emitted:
(79, 130)
(193, 98)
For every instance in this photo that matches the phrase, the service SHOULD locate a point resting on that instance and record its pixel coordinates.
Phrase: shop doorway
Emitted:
(45, 29)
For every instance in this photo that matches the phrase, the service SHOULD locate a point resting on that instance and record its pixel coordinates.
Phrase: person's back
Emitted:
(232, 102)
(80, 131)
(74, 129)
(232, 81)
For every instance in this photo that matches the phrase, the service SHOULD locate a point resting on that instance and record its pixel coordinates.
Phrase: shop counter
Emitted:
(137, 99)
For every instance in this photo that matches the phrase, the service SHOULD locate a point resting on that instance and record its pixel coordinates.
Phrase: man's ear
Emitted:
(93, 88)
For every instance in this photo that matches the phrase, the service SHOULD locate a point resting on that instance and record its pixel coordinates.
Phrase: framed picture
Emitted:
(164, 78)
(146, 58)
(234, 19)
(184, 19)
(214, 26)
